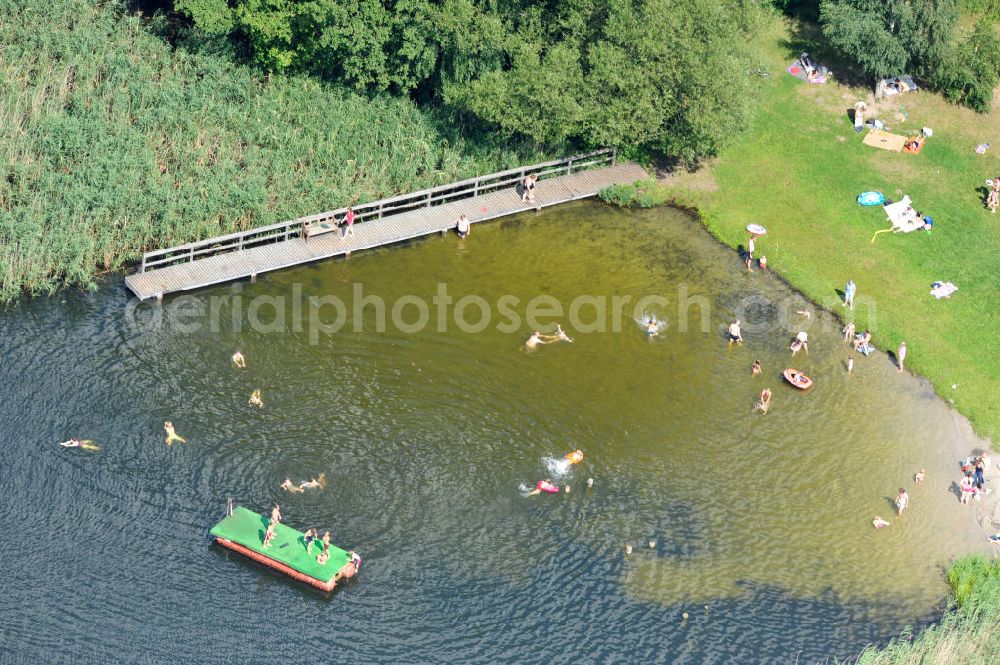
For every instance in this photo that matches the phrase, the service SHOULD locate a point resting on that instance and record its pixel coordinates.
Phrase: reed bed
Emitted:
(113, 142)
(969, 634)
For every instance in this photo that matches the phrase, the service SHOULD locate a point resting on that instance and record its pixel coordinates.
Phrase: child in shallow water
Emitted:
(879, 523)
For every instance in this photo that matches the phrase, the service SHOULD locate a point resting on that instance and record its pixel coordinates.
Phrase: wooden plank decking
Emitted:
(234, 265)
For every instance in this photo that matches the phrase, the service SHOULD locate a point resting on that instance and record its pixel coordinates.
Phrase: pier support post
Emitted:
(253, 277)
(159, 298)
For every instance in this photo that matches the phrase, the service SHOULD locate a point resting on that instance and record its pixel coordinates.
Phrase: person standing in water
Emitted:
(901, 356)
(849, 292)
(902, 501)
(755, 368)
(967, 487)
(463, 227)
(750, 248)
(734, 332)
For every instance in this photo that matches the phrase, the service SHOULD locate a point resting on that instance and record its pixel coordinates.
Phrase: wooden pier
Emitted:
(307, 239)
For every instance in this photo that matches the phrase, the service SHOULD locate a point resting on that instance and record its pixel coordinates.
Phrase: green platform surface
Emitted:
(246, 528)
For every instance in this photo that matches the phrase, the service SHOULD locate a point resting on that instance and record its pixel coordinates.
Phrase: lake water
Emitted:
(762, 523)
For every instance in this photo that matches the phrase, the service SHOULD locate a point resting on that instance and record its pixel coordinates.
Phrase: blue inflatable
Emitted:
(870, 199)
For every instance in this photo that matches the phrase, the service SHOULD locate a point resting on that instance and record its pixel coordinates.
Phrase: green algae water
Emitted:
(430, 429)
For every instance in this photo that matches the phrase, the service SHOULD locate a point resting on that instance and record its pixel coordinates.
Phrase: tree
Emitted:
(888, 37)
(971, 72)
(671, 75)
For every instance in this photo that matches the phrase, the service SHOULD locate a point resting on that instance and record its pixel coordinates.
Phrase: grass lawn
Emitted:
(798, 172)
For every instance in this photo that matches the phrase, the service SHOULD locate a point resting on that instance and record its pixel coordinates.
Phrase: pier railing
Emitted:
(296, 228)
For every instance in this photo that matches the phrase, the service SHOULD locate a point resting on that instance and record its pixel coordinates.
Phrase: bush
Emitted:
(971, 72)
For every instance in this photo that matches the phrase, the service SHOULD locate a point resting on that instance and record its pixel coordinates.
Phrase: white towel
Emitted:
(943, 289)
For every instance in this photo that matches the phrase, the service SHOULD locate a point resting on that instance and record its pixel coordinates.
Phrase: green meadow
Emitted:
(798, 172)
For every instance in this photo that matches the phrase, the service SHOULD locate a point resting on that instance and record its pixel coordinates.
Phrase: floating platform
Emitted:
(243, 532)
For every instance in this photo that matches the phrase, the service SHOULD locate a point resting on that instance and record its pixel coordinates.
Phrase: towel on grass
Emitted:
(943, 289)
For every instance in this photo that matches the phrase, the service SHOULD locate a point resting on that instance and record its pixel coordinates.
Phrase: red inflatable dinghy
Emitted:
(797, 378)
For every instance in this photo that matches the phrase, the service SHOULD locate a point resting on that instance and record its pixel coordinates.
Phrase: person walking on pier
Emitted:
(348, 223)
(528, 188)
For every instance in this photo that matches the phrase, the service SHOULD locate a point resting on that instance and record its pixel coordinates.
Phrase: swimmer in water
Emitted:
(256, 400)
(239, 360)
(288, 486)
(763, 401)
(537, 338)
(652, 328)
(734, 332)
(804, 312)
(543, 486)
(172, 436)
(801, 342)
(755, 368)
(85, 444)
(879, 523)
(561, 335)
(355, 559)
(315, 483)
(574, 457)
(534, 341)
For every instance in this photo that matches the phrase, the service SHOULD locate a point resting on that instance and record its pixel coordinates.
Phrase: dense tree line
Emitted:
(922, 37)
(673, 76)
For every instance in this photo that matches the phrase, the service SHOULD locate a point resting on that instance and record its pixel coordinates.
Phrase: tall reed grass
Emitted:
(968, 635)
(113, 142)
